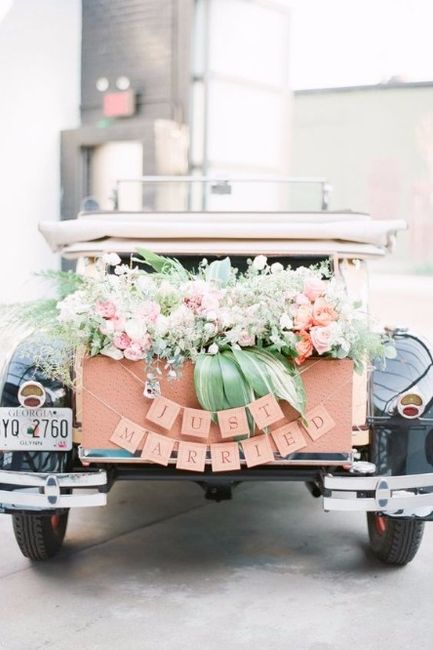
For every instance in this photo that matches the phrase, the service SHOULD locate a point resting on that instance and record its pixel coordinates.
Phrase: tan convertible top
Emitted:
(347, 233)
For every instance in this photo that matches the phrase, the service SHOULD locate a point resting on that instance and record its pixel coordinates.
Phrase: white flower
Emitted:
(135, 329)
(112, 259)
(276, 267)
(286, 323)
(260, 262)
(213, 349)
(112, 352)
(121, 270)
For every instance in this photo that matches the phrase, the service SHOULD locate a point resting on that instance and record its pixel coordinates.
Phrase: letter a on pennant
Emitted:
(157, 448)
(191, 456)
(319, 422)
(128, 435)
(257, 450)
(289, 438)
(195, 423)
(225, 456)
(265, 411)
(163, 412)
(233, 422)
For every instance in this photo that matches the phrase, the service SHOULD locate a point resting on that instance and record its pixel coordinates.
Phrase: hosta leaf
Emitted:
(237, 390)
(255, 371)
(161, 264)
(282, 377)
(219, 271)
(208, 382)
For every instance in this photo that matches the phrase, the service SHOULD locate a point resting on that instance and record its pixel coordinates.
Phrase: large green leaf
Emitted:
(237, 390)
(219, 271)
(208, 382)
(270, 372)
(161, 264)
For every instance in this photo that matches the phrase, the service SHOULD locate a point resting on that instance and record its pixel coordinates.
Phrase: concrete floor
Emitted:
(160, 567)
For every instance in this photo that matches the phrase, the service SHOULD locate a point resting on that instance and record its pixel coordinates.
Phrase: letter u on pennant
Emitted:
(195, 422)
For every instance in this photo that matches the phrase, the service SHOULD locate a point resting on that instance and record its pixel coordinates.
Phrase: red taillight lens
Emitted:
(411, 404)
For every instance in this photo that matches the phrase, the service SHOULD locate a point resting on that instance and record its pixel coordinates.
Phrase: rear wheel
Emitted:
(40, 537)
(394, 541)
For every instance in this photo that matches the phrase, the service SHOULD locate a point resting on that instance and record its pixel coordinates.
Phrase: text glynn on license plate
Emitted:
(47, 429)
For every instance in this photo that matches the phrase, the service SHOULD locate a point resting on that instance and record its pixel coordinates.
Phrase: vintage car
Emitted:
(65, 445)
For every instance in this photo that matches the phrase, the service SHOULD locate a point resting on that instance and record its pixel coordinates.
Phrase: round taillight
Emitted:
(411, 404)
(31, 394)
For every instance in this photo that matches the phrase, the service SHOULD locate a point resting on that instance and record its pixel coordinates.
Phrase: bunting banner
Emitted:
(288, 438)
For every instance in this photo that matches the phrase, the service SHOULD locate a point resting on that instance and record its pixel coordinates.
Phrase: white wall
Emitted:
(39, 96)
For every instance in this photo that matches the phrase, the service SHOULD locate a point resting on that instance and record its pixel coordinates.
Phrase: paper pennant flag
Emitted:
(157, 448)
(163, 412)
(195, 422)
(319, 422)
(128, 435)
(233, 422)
(265, 411)
(289, 438)
(225, 456)
(191, 456)
(257, 450)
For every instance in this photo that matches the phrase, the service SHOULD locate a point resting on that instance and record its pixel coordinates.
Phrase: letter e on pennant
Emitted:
(195, 422)
(233, 422)
(319, 422)
(157, 448)
(191, 456)
(163, 412)
(257, 450)
(289, 438)
(127, 435)
(225, 456)
(265, 411)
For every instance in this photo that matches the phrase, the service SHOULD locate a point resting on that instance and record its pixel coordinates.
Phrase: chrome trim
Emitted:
(43, 491)
(122, 456)
(389, 494)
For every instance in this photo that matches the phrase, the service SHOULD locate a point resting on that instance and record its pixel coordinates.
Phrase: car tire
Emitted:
(392, 540)
(40, 537)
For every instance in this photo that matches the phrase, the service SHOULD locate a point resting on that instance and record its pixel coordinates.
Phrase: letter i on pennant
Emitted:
(163, 412)
(257, 450)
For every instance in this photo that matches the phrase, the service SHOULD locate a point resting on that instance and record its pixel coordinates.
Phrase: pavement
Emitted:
(162, 568)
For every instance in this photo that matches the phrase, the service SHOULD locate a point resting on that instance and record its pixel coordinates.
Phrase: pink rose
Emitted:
(105, 308)
(323, 313)
(301, 299)
(121, 341)
(303, 318)
(118, 323)
(321, 338)
(149, 310)
(304, 348)
(246, 339)
(313, 288)
(134, 352)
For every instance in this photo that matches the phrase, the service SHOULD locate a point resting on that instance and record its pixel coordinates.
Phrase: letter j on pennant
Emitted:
(163, 412)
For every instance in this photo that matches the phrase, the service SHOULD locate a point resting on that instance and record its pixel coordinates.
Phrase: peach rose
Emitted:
(303, 318)
(304, 348)
(121, 341)
(313, 288)
(323, 313)
(321, 338)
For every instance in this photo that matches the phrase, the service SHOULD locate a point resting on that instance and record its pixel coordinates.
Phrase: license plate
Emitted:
(46, 429)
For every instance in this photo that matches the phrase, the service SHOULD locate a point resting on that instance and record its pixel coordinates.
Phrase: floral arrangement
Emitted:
(247, 333)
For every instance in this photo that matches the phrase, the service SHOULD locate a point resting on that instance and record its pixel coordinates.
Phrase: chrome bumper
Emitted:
(396, 495)
(37, 491)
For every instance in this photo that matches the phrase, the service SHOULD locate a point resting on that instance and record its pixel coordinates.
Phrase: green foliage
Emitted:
(219, 271)
(161, 264)
(66, 282)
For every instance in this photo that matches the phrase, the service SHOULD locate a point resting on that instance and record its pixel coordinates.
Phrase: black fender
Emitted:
(22, 368)
(402, 446)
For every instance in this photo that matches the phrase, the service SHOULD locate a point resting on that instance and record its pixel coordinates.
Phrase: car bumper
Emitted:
(39, 491)
(393, 495)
